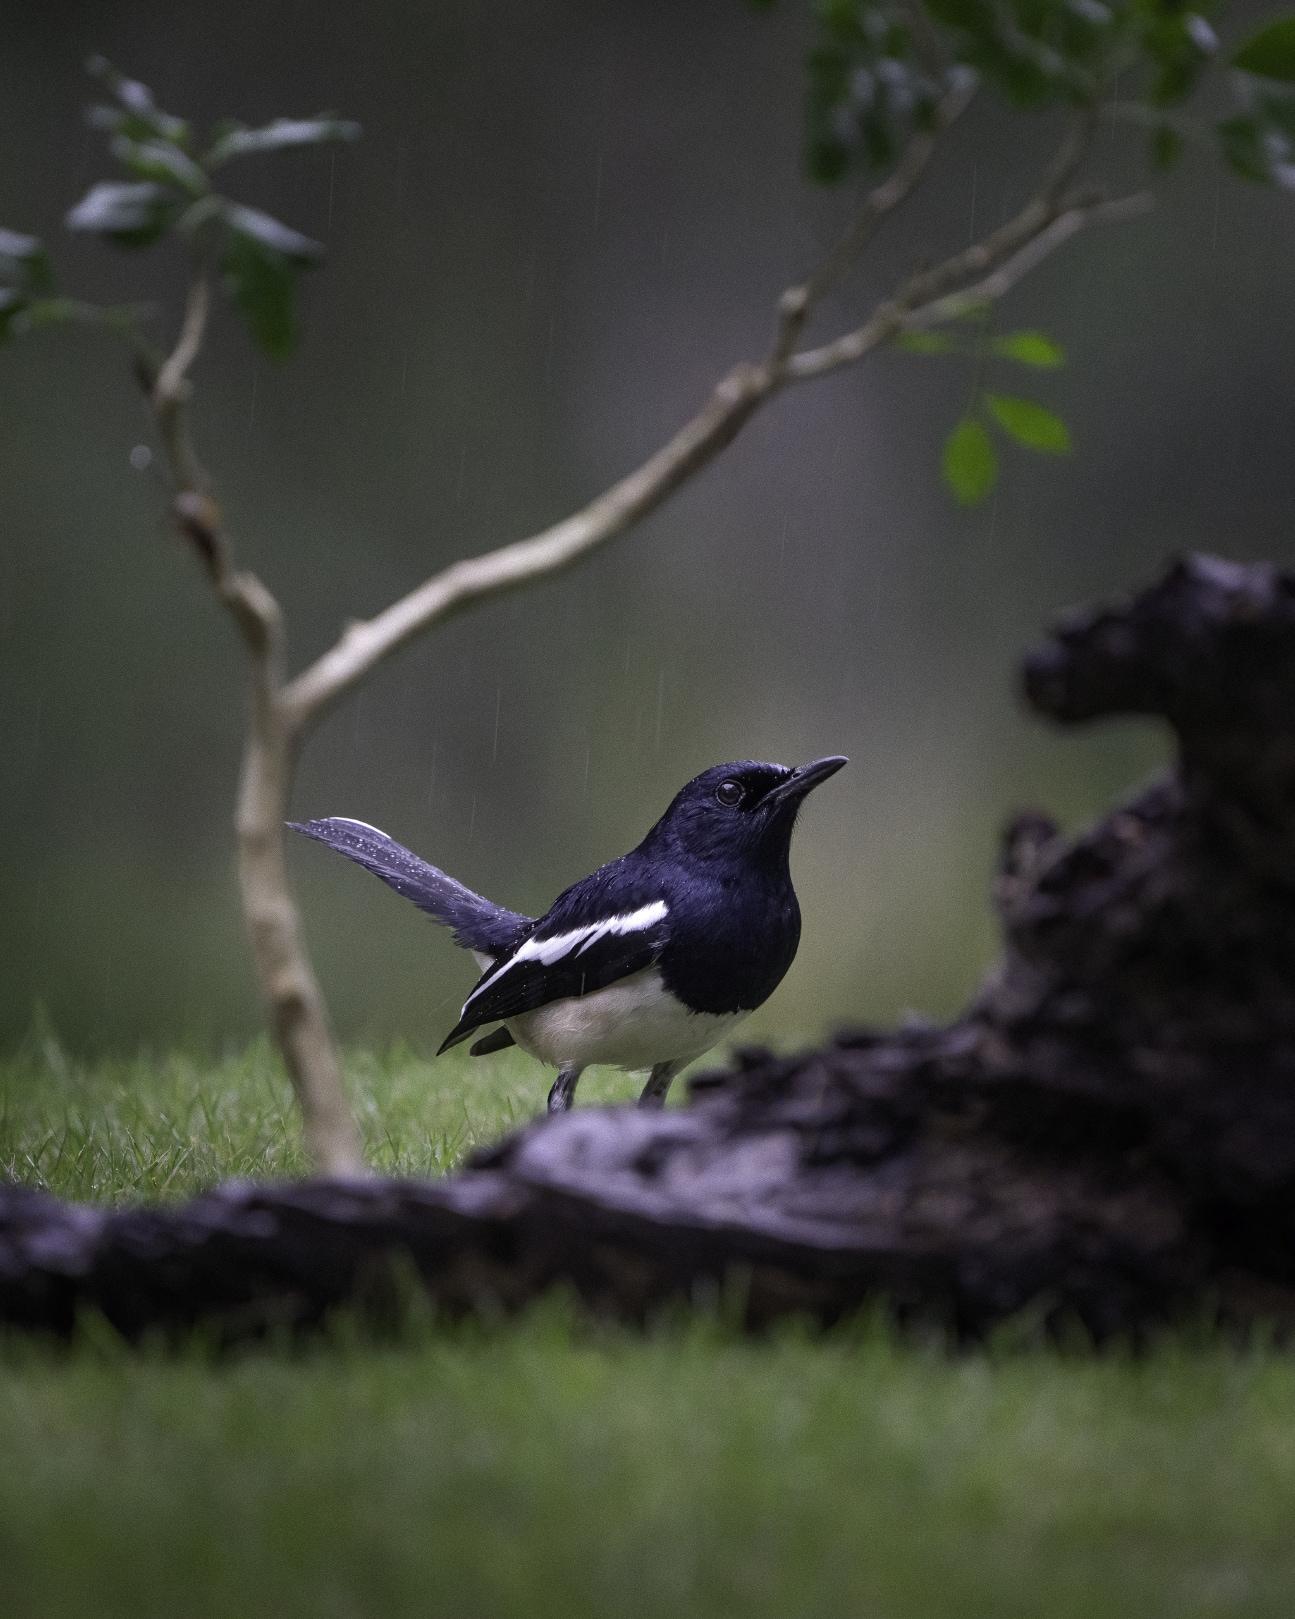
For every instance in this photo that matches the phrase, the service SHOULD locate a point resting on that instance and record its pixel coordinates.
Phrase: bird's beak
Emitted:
(806, 778)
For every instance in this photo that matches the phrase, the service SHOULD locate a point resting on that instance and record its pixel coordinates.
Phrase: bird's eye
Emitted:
(728, 793)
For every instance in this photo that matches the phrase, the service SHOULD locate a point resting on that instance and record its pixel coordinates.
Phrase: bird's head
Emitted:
(744, 810)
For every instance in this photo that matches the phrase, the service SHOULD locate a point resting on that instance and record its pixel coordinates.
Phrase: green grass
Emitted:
(171, 1125)
(549, 1467)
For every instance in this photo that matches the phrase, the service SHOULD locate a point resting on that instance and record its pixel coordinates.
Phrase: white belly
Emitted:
(631, 1024)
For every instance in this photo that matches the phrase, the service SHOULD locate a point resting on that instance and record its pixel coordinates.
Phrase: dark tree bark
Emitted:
(1106, 1136)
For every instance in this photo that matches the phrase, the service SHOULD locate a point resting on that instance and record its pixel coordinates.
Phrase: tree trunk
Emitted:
(1105, 1137)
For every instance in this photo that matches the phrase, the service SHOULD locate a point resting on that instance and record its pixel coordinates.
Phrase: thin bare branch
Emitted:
(172, 379)
(1000, 261)
(170, 389)
(997, 284)
(1042, 210)
(798, 303)
(287, 981)
(365, 644)
(1050, 217)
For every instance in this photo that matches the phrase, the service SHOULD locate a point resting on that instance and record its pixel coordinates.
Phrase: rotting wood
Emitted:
(1105, 1137)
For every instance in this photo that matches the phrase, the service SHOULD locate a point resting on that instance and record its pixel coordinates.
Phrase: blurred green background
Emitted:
(565, 220)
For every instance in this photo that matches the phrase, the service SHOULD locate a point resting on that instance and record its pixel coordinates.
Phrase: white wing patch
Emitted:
(558, 946)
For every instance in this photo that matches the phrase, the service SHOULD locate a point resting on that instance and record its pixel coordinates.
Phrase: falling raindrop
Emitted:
(494, 742)
(141, 458)
(660, 705)
(548, 352)
(971, 226)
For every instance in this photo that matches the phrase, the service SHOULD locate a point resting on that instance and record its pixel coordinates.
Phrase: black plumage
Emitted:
(696, 926)
(475, 922)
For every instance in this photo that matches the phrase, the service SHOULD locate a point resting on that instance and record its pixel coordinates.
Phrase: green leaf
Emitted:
(140, 115)
(1166, 146)
(19, 315)
(160, 161)
(1179, 44)
(236, 140)
(130, 214)
(271, 234)
(52, 312)
(263, 258)
(1241, 140)
(1029, 423)
(12, 304)
(969, 462)
(1029, 348)
(262, 286)
(1270, 54)
(14, 245)
(24, 262)
(924, 343)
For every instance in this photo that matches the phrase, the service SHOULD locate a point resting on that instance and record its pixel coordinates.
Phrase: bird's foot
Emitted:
(563, 1093)
(658, 1086)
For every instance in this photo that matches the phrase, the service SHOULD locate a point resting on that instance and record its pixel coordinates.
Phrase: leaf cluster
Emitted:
(1259, 139)
(26, 282)
(169, 190)
(969, 460)
(878, 69)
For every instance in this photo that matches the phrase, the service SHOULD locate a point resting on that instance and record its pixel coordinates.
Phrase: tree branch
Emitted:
(169, 390)
(1002, 260)
(1092, 211)
(365, 644)
(283, 970)
(986, 269)
(797, 303)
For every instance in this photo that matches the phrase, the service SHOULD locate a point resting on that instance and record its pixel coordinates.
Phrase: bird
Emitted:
(648, 962)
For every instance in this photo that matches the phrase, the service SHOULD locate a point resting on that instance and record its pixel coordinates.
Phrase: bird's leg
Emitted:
(658, 1086)
(564, 1088)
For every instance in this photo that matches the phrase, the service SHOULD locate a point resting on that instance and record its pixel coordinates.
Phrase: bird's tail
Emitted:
(477, 924)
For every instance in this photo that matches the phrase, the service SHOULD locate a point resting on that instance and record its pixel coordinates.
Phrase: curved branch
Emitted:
(797, 303)
(999, 282)
(284, 974)
(365, 644)
(168, 389)
(934, 296)
(1049, 218)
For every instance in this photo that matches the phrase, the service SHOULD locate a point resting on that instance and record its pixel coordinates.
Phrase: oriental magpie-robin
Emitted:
(649, 961)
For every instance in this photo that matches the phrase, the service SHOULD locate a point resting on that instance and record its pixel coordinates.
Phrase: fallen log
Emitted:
(1106, 1136)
